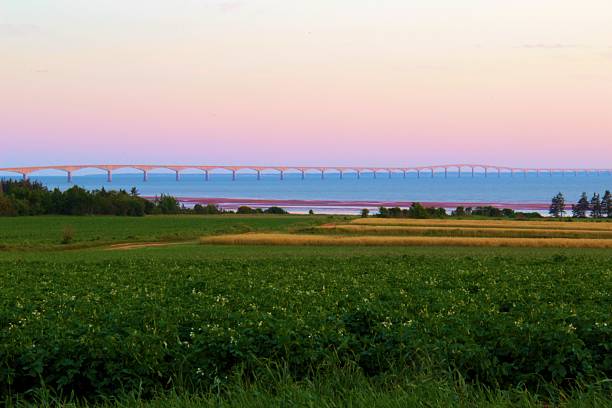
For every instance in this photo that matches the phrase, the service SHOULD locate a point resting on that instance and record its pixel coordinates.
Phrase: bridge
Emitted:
(431, 170)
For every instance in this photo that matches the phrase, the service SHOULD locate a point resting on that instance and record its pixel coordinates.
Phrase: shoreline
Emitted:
(346, 205)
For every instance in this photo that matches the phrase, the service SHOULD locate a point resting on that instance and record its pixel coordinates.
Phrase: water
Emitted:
(492, 189)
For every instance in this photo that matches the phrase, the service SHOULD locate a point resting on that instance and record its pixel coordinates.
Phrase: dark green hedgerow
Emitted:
(104, 328)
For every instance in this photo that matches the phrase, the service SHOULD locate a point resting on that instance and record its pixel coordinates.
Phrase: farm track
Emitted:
(316, 240)
(137, 245)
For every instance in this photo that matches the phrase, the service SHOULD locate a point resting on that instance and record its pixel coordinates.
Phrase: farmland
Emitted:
(196, 324)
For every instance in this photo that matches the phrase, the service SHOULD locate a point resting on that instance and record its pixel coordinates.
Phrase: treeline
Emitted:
(597, 207)
(416, 210)
(32, 198)
(24, 197)
(214, 209)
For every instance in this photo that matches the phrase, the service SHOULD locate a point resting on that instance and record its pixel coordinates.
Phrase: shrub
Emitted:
(67, 234)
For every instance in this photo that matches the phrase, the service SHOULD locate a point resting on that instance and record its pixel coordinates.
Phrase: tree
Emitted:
(416, 210)
(275, 210)
(606, 204)
(557, 206)
(168, 205)
(580, 209)
(244, 209)
(383, 212)
(459, 212)
(364, 213)
(595, 206)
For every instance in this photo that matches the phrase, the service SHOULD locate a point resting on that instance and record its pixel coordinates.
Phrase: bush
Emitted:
(208, 209)
(275, 210)
(67, 234)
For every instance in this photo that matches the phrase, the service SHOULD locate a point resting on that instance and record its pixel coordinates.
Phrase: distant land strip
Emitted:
(349, 204)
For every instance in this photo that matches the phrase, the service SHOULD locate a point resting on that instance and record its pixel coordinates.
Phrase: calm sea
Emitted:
(504, 189)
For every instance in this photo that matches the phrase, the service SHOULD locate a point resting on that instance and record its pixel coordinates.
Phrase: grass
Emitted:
(344, 388)
(296, 325)
(305, 239)
(49, 232)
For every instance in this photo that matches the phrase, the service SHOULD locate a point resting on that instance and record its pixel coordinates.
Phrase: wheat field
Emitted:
(564, 225)
(321, 240)
(471, 231)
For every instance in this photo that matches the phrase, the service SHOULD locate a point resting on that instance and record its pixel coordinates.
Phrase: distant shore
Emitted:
(348, 206)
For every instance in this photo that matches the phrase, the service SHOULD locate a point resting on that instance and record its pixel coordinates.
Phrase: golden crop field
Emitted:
(471, 231)
(573, 225)
(320, 240)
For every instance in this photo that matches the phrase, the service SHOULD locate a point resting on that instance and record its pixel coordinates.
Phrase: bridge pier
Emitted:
(302, 171)
(69, 177)
(25, 176)
(458, 172)
(498, 173)
(178, 176)
(322, 174)
(445, 172)
(418, 173)
(374, 173)
(404, 173)
(472, 172)
(389, 173)
(358, 174)
(109, 176)
(258, 175)
(341, 174)
(145, 175)
(282, 174)
(206, 178)
(432, 173)
(233, 175)
(486, 172)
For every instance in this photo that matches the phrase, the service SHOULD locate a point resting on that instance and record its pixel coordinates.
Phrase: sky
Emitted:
(310, 82)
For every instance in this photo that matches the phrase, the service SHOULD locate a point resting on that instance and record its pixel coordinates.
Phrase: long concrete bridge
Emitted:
(430, 171)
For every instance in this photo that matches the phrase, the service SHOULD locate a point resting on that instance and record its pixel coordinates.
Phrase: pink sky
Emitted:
(388, 83)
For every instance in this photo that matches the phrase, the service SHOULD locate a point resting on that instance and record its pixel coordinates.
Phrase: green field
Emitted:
(45, 232)
(196, 325)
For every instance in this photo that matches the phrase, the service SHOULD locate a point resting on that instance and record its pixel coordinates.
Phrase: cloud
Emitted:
(16, 30)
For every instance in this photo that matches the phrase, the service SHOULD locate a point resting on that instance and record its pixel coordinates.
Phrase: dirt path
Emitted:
(137, 245)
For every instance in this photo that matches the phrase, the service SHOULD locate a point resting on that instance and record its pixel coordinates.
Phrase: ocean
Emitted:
(349, 194)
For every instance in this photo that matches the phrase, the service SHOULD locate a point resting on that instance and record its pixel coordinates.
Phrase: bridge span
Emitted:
(431, 170)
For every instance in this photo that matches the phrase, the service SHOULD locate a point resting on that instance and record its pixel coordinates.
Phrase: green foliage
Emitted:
(606, 204)
(248, 210)
(416, 210)
(557, 206)
(27, 198)
(122, 323)
(275, 210)
(580, 209)
(208, 209)
(167, 204)
(365, 213)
